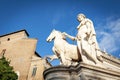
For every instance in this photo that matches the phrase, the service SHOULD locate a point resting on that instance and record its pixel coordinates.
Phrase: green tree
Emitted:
(6, 71)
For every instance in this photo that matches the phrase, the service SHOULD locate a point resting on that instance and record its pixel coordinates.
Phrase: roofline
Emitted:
(16, 32)
(37, 54)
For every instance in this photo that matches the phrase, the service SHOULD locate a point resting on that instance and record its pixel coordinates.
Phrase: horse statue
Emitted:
(67, 53)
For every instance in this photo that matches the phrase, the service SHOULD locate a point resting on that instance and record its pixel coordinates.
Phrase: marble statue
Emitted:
(67, 53)
(86, 50)
(86, 40)
(84, 61)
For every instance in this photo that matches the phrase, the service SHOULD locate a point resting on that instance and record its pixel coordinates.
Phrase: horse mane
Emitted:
(64, 37)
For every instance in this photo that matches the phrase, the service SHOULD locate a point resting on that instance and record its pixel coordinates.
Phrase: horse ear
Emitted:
(53, 29)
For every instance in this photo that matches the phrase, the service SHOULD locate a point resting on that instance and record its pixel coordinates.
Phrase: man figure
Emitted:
(86, 39)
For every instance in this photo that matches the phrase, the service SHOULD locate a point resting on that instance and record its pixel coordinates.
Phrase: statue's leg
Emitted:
(46, 63)
(68, 60)
(88, 51)
(96, 52)
(79, 46)
(74, 63)
(52, 57)
(89, 56)
(53, 49)
(55, 52)
(97, 49)
(64, 61)
(99, 57)
(93, 51)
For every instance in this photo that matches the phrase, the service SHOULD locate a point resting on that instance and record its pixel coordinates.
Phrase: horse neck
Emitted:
(58, 36)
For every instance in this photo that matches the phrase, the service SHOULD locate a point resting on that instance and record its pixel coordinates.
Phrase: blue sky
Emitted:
(40, 17)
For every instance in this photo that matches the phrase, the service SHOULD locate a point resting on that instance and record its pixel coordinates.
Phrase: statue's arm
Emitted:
(69, 36)
(88, 25)
(90, 31)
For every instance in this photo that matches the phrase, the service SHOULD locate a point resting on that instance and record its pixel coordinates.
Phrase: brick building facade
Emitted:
(20, 49)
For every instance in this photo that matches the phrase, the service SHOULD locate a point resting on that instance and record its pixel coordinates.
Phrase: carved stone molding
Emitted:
(81, 72)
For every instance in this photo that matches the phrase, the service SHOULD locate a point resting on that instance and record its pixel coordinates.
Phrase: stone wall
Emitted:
(20, 49)
(36, 69)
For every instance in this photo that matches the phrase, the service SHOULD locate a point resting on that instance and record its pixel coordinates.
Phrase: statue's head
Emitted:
(80, 17)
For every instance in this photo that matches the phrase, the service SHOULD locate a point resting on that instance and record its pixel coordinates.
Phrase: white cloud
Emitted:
(109, 35)
(107, 42)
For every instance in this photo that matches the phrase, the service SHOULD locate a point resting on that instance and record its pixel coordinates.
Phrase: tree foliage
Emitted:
(6, 71)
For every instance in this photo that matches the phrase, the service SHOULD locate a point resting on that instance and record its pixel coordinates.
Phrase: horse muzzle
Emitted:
(48, 40)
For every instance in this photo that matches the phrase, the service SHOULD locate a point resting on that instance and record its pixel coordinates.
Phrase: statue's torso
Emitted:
(82, 31)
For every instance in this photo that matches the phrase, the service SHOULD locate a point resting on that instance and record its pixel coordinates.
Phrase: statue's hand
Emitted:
(69, 36)
(75, 38)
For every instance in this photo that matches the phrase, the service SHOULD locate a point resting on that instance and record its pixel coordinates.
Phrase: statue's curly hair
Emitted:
(81, 15)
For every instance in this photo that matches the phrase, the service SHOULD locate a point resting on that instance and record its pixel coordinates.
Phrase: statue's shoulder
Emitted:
(88, 21)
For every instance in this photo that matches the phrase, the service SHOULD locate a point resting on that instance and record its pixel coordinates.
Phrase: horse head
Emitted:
(51, 36)
(55, 34)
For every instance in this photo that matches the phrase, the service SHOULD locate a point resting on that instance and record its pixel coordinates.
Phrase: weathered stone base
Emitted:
(81, 72)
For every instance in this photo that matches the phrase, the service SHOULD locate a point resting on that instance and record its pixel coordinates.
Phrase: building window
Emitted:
(8, 39)
(34, 71)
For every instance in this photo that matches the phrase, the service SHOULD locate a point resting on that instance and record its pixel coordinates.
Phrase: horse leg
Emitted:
(57, 55)
(46, 63)
(52, 57)
(68, 62)
(54, 51)
(63, 60)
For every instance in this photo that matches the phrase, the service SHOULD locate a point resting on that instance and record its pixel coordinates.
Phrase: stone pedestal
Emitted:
(60, 73)
(81, 72)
